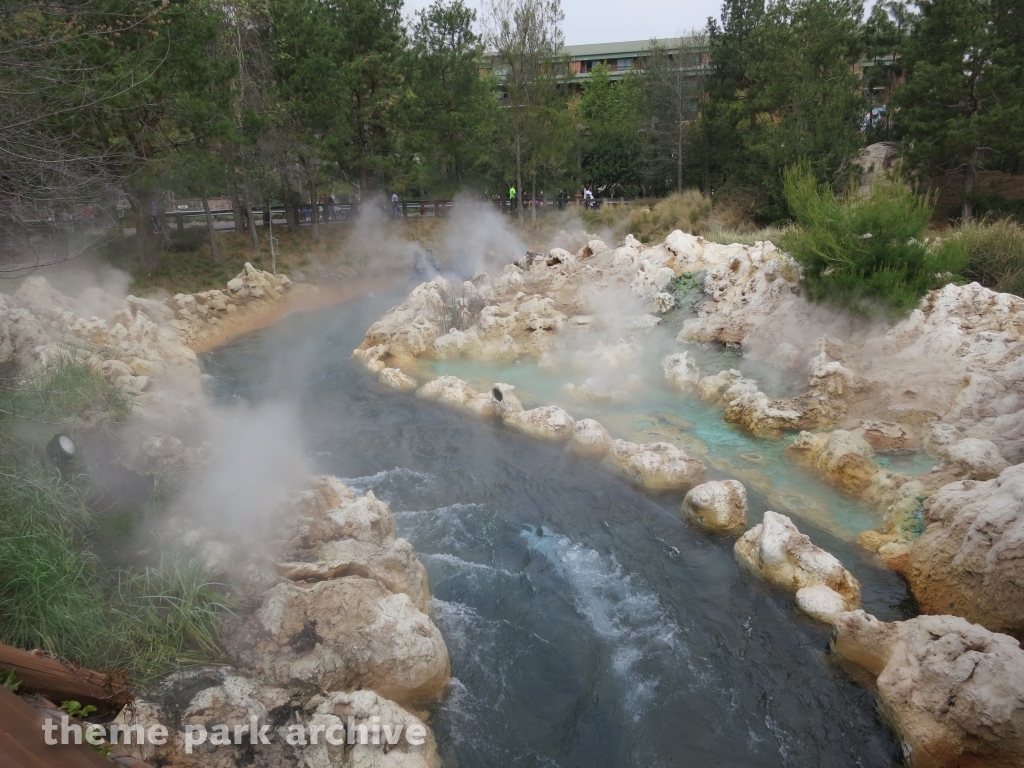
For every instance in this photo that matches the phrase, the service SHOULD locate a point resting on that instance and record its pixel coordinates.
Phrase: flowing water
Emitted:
(588, 625)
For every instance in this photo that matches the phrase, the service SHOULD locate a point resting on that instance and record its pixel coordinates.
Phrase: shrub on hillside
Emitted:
(995, 254)
(689, 211)
(867, 253)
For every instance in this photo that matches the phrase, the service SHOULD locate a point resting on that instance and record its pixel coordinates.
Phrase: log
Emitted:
(60, 681)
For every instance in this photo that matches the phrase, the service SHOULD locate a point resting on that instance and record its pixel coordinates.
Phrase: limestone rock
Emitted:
(941, 437)
(450, 390)
(590, 438)
(657, 466)
(395, 379)
(346, 634)
(504, 400)
(413, 326)
(952, 689)
(979, 459)
(764, 417)
(365, 519)
(888, 436)
(681, 372)
(720, 505)
(968, 560)
(724, 387)
(548, 423)
(777, 552)
(373, 357)
(820, 602)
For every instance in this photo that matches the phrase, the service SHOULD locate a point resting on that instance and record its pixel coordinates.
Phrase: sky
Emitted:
(613, 21)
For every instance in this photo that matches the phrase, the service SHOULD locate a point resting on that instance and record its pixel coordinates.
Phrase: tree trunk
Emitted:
(533, 197)
(210, 230)
(679, 160)
(236, 208)
(252, 227)
(312, 199)
(970, 176)
(517, 206)
(144, 229)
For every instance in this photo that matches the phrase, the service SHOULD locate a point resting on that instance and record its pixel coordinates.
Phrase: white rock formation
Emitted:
(656, 466)
(590, 438)
(720, 505)
(681, 372)
(547, 423)
(777, 552)
(951, 688)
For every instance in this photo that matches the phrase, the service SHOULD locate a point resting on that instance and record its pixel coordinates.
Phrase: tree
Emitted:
(885, 34)
(527, 40)
(613, 153)
(784, 89)
(964, 95)
(673, 82)
(453, 106)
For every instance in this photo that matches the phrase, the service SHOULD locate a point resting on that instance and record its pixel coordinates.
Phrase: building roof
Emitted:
(625, 49)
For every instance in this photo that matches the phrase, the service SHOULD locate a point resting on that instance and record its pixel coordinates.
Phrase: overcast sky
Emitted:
(612, 21)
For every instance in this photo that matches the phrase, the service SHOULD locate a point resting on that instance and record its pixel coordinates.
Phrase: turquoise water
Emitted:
(699, 429)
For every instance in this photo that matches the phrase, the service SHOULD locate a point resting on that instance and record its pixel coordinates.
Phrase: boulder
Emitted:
(724, 387)
(720, 505)
(450, 390)
(951, 689)
(979, 459)
(373, 357)
(548, 423)
(365, 519)
(777, 552)
(346, 634)
(656, 466)
(820, 602)
(590, 438)
(681, 372)
(412, 327)
(969, 559)
(764, 417)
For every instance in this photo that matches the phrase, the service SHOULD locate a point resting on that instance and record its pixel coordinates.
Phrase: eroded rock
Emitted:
(720, 505)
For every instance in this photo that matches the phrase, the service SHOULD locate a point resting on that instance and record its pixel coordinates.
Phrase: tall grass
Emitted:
(54, 592)
(867, 253)
(995, 254)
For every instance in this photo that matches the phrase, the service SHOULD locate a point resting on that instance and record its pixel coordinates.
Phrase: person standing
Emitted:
(512, 199)
(397, 211)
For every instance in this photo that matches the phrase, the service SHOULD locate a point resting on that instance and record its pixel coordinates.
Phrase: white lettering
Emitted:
(416, 734)
(332, 734)
(194, 735)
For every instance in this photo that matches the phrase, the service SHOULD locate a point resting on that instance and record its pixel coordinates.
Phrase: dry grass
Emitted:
(995, 253)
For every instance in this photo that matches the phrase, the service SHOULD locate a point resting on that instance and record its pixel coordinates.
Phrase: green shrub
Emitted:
(866, 253)
(995, 254)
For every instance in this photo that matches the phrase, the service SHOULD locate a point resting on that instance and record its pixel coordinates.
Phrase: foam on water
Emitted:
(621, 610)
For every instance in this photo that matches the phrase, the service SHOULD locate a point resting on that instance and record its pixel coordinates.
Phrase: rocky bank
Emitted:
(339, 632)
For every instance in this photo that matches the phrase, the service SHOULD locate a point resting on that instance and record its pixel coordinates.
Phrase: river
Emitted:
(588, 625)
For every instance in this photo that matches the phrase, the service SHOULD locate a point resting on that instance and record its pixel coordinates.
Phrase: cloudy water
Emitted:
(587, 624)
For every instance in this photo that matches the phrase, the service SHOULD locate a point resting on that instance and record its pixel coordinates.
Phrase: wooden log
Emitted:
(62, 682)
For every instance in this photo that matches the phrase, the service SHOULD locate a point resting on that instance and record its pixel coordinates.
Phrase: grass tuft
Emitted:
(995, 254)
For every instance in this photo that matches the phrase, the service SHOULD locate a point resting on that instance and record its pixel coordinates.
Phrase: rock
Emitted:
(661, 303)
(724, 387)
(720, 505)
(968, 560)
(450, 390)
(941, 437)
(373, 357)
(366, 519)
(764, 417)
(777, 552)
(548, 423)
(412, 327)
(681, 372)
(395, 379)
(951, 689)
(590, 438)
(346, 634)
(820, 602)
(657, 466)
(394, 566)
(979, 459)
(887, 436)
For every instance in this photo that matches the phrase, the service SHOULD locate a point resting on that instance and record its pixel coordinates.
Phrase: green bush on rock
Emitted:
(867, 253)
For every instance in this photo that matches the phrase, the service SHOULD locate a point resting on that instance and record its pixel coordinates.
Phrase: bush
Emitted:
(995, 254)
(867, 253)
(689, 211)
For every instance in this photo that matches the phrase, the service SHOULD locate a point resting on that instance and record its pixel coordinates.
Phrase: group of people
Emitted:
(562, 199)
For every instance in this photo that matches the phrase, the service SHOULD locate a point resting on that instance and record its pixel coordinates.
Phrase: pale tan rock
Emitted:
(505, 401)
(548, 423)
(373, 357)
(590, 438)
(764, 417)
(345, 634)
(720, 505)
(777, 552)
(657, 466)
(979, 459)
(952, 689)
(681, 372)
(724, 387)
(413, 326)
(450, 390)
(968, 560)
(365, 518)
(396, 379)
(820, 602)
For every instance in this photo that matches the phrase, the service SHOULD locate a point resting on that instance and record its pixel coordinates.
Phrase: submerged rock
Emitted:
(952, 689)
(657, 466)
(720, 505)
(777, 552)
(969, 559)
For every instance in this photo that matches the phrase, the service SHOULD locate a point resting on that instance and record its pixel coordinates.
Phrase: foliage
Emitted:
(54, 592)
(613, 153)
(995, 254)
(9, 680)
(866, 253)
(964, 95)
